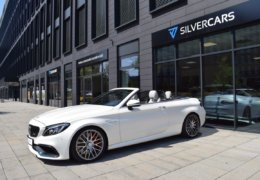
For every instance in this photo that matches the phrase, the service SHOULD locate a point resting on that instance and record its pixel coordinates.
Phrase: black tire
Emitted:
(247, 113)
(88, 145)
(191, 126)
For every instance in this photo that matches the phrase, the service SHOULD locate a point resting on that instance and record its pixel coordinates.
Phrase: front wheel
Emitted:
(247, 113)
(191, 126)
(88, 145)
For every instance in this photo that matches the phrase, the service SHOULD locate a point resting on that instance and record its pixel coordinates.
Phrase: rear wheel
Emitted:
(88, 145)
(191, 126)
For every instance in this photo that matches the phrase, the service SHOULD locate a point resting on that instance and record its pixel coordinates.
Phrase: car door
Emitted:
(226, 106)
(145, 120)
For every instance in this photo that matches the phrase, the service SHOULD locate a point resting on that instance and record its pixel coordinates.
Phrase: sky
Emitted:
(2, 3)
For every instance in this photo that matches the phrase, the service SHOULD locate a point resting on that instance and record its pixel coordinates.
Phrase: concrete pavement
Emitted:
(216, 154)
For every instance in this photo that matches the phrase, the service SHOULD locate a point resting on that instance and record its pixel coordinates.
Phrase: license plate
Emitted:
(30, 141)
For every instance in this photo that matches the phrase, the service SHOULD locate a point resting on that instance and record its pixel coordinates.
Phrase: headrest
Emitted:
(168, 94)
(153, 94)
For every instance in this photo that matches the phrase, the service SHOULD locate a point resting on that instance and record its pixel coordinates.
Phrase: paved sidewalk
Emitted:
(216, 154)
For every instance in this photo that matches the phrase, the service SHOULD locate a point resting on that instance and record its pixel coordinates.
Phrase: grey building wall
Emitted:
(147, 25)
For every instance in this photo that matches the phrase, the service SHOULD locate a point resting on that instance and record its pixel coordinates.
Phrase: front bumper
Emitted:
(55, 147)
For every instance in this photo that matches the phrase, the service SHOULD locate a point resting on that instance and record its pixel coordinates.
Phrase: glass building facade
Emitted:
(221, 69)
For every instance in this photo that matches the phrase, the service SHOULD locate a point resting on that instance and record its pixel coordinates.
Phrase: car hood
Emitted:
(73, 113)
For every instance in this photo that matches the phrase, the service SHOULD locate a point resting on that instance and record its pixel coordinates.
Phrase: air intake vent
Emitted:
(33, 130)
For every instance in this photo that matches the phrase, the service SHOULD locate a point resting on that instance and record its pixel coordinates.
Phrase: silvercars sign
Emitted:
(202, 24)
(225, 19)
(210, 22)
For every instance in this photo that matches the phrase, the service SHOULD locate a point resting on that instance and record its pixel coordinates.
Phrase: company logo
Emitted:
(173, 31)
(208, 23)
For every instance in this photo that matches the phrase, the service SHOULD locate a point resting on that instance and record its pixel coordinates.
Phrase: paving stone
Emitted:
(239, 154)
(222, 162)
(2, 175)
(28, 159)
(114, 176)
(164, 165)
(45, 176)
(34, 169)
(195, 171)
(177, 161)
(65, 174)
(84, 171)
(244, 171)
(187, 156)
(255, 176)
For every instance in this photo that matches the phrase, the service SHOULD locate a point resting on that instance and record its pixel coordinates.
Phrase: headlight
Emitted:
(55, 129)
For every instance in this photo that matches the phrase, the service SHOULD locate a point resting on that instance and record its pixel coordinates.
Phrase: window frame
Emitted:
(77, 9)
(119, 57)
(175, 4)
(56, 24)
(65, 19)
(93, 21)
(117, 16)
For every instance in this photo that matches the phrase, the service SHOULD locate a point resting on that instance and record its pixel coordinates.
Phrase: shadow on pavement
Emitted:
(243, 126)
(5, 112)
(130, 150)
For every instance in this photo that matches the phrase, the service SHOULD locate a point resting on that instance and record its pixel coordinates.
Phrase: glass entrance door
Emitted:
(90, 88)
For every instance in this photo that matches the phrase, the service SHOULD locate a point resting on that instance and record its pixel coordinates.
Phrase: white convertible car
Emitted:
(116, 119)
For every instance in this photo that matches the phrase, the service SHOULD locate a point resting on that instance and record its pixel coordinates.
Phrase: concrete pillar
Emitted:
(62, 84)
(74, 83)
(46, 103)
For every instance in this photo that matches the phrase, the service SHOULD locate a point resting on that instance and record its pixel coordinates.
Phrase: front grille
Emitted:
(33, 130)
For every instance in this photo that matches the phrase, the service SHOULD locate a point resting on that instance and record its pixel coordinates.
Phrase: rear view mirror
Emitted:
(133, 103)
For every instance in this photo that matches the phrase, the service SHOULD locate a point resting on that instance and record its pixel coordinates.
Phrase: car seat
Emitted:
(153, 97)
(168, 95)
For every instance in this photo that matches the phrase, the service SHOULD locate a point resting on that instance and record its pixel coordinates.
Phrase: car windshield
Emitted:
(253, 92)
(112, 98)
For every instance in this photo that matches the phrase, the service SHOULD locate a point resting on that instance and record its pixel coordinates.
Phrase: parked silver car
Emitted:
(221, 104)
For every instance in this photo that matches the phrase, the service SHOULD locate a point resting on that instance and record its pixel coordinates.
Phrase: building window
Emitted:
(42, 36)
(81, 23)
(54, 95)
(49, 36)
(157, 5)
(32, 44)
(126, 12)
(93, 81)
(129, 75)
(37, 4)
(165, 68)
(217, 85)
(67, 26)
(99, 18)
(247, 64)
(37, 50)
(248, 36)
(218, 42)
(166, 53)
(56, 33)
(68, 85)
(188, 77)
(189, 48)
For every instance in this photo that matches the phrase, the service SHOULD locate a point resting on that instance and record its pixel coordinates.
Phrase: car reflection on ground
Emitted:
(221, 104)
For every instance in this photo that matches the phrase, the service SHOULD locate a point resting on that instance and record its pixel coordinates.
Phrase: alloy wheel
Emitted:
(90, 144)
(192, 125)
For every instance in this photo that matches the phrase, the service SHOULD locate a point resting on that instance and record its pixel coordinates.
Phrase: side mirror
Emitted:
(133, 103)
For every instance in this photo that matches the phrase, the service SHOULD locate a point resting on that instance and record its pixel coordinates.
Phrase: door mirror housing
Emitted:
(133, 103)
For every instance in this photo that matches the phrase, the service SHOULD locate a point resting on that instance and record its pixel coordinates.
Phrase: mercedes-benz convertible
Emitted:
(118, 118)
